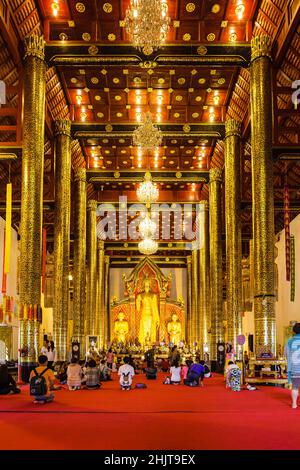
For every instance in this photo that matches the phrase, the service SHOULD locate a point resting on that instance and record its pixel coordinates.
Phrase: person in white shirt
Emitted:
(44, 350)
(51, 355)
(126, 372)
(175, 373)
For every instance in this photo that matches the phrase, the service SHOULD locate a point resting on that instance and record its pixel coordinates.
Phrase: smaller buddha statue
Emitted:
(121, 328)
(174, 329)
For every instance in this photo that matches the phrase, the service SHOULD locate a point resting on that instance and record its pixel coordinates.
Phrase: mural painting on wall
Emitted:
(146, 315)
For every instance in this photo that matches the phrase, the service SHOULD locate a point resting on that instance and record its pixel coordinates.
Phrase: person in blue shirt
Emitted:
(292, 352)
(195, 374)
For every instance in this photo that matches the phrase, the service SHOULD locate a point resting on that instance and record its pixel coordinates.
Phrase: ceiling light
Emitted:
(55, 8)
(147, 24)
(147, 192)
(148, 246)
(240, 10)
(147, 136)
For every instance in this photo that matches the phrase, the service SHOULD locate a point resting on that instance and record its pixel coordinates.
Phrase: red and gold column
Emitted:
(79, 271)
(189, 302)
(32, 199)
(62, 235)
(262, 194)
(91, 252)
(203, 285)
(108, 332)
(194, 329)
(233, 231)
(100, 320)
(216, 281)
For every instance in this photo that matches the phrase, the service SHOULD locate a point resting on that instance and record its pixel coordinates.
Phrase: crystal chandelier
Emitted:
(147, 135)
(147, 227)
(147, 24)
(148, 246)
(147, 192)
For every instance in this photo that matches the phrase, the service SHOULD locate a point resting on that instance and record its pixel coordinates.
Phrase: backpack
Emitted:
(38, 384)
(125, 379)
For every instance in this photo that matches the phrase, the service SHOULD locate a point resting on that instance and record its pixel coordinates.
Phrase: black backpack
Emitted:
(38, 384)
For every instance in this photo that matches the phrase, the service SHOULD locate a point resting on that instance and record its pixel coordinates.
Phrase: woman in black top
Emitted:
(7, 383)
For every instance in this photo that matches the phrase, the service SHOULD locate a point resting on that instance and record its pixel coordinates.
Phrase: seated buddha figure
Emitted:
(121, 328)
(174, 330)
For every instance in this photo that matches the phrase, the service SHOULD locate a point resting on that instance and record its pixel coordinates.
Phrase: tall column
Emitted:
(233, 232)
(216, 285)
(79, 256)
(62, 236)
(203, 289)
(91, 256)
(189, 302)
(32, 195)
(262, 194)
(194, 306)
(100, 320)
(106, 302)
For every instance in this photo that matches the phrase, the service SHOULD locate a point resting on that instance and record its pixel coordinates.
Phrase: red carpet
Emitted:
(159, 417)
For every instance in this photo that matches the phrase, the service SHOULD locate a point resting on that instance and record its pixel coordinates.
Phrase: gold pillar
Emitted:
(216, 283)
(189, 302)
(262, 194)
(233, 232)
(91, 256)
(62, 236)
(194, 305)
(100, 320)
(32, 193)
(106, 302)
(203, 286)
(79, 256)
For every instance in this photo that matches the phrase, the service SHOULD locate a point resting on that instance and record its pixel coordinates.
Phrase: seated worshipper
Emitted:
(92, 375)
(7, 383)
(185, 369)
(195, 374)
(104, 371)
(41, 381)
(207, 372)
(62, 373)
(126, 372)
(175, 373)
(150, 357)
(74, 374)
(151, 372)
(164, 365)
(233, 377)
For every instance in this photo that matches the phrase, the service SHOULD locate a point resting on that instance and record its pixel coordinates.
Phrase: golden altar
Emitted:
(264, 373)
(146, 312)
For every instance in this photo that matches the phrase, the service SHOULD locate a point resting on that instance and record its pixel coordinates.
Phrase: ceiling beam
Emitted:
(95, 130)
(179, 55)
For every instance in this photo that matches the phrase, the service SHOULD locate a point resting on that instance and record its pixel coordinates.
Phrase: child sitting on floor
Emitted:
(175, 373)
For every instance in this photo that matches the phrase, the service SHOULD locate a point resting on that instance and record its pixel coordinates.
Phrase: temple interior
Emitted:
(150, 187)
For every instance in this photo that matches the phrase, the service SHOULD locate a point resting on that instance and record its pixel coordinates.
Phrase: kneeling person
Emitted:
(126, 372)
(92, 375)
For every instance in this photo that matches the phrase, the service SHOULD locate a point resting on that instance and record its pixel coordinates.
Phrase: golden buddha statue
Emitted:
(121, 328)
(147, 307)
(174, 330)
